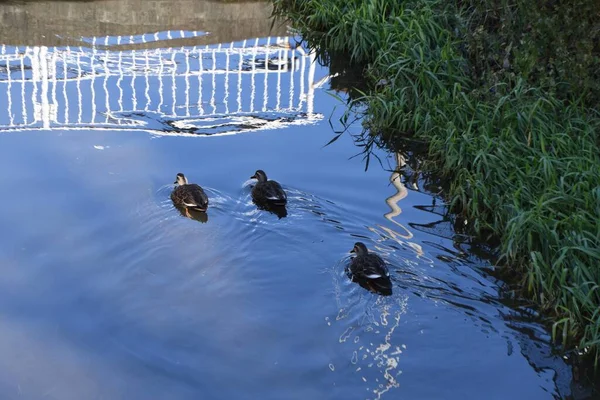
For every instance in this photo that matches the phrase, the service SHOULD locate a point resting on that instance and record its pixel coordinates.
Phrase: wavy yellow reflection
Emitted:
(393, 201)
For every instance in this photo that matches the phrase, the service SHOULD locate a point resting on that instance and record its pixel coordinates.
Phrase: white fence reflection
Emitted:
(213, 90)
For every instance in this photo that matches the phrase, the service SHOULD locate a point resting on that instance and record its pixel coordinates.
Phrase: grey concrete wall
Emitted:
(56, 22)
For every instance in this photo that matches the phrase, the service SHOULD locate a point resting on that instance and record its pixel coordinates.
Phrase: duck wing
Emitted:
(370, 266)
(270, 191)
(276, 192)
(191, 195)
(197, 196)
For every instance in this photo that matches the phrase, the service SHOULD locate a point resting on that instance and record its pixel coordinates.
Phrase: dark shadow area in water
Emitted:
(279, 210)
(345, 77)
(200, 216)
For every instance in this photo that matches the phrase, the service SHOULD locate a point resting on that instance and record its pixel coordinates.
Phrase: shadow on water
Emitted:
(278, 210)
(345, 78)
(111, 293)
(200, 216)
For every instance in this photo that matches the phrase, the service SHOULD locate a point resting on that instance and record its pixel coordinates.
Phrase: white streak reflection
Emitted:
(369, 326)
(131, 77)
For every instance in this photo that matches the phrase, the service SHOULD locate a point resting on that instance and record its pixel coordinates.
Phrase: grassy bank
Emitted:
(504, 93)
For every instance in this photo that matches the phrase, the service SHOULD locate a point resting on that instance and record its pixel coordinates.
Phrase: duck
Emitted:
(267, 191)
(369, 270)
(188, 195)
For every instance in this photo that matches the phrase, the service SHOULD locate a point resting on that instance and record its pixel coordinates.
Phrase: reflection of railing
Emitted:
(240, 86)
(401, 193)
(392, 202)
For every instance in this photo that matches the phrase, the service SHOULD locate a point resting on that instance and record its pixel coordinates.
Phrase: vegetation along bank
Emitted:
(505, 93)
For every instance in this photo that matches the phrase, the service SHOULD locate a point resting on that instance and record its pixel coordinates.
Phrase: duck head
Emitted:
(359, 249)
(180, 179)
(260, 176)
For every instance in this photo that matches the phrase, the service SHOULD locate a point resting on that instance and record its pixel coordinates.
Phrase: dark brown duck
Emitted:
(188, 195)
(370, 271)
(267, 191)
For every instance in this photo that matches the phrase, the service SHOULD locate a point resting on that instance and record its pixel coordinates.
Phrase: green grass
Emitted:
(506, 103)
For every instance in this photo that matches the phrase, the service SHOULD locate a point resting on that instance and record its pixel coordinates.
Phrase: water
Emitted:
(107, 291)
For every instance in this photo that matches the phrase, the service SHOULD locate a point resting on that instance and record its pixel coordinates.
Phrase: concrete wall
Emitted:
(56, 22)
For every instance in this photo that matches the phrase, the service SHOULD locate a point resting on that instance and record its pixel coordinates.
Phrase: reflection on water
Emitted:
(210, 90)
(107, 292)
(279, 211)
(65, 23)
(200, 216)
(375, 356)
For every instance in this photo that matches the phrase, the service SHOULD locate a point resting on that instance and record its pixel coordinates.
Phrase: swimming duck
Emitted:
(188, 195)
(266, 191)
(369, 270)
